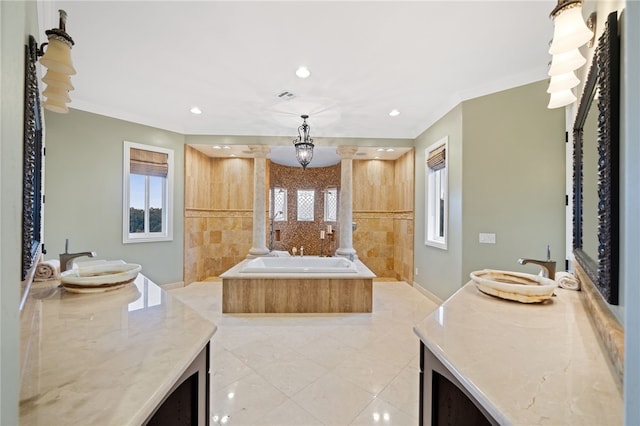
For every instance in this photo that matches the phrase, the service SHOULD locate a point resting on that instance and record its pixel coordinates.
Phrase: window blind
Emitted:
(148, 163)
(437, 157)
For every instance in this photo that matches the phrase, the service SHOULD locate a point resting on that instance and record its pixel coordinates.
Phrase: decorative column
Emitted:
(346, 154)
(259, 247)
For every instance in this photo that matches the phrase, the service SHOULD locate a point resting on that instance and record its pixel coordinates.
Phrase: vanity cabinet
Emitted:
(486, 360)
(187, 403)
(443, 399)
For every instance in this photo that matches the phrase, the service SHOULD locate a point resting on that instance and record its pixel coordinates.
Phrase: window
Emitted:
(436, 194)
(147, 193)
(331, 205)
(306, 200)
(279, 200)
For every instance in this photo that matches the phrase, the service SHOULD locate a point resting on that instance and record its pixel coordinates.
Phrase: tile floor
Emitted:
(315, 369)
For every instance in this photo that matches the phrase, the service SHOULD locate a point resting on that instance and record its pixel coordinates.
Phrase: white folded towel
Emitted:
(567, 280)
(47, 270)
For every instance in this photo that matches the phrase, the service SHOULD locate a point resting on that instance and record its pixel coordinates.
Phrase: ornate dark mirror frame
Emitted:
(32, 163)
(604, 78)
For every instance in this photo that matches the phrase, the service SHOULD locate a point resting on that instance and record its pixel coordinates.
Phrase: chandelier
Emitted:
(304, 143)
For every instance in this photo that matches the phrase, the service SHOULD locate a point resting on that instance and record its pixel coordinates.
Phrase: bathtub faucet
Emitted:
(301, 251)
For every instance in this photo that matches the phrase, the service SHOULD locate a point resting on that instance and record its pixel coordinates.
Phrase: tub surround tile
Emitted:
(106, 358)
(548, 354)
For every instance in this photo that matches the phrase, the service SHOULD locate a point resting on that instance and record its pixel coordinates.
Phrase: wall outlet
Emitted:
(487, 238)
(416, 271)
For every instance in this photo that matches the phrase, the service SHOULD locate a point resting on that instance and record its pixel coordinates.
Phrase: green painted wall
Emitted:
(17, 21)
(83, 189)
(513, 182)
(440, 271)
(506, 176)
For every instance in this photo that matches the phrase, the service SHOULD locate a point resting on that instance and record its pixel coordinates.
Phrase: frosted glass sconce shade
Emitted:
(563, 63)
(57, 93)
(56, 79)
(561, 99)
(570, 30)
(56, 106)
(57, 57)
(562, 82)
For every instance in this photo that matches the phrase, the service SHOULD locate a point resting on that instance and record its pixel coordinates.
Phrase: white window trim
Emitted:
(326, 196)
(428, 222)
(167, 234)
(283, 217)
(313, 210)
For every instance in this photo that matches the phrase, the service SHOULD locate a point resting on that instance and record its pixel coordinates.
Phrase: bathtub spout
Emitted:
(301, 251)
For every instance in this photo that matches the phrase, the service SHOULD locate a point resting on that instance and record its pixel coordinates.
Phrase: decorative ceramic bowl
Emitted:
(101, 274)
(518, 286)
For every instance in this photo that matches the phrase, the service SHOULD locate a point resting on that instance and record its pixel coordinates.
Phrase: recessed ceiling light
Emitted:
(376, 158)
(232, 155)
(195, 110)
(226, 147)
(394, 113)
(390, 149)
(380, 149)
(303, 72)
(216, 147)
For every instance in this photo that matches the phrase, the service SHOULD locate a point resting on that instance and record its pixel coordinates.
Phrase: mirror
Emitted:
(596, 167)
(32, 163)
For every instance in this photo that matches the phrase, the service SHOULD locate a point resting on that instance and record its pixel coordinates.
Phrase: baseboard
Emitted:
(427, 294)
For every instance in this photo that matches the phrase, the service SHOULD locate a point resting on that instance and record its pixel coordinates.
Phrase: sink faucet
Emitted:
(66, 258)
(547, 267)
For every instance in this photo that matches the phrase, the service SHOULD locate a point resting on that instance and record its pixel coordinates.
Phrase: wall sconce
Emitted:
(57, 59)
(570, 33)
(304, 143)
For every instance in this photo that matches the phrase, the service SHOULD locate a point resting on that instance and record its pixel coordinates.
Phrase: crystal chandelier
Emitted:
(304, 143)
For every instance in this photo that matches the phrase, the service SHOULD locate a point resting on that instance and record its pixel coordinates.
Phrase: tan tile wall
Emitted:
(219, 218)
(307, 234)
(383, 211)
(218, 214)
(374, 241)
(215, 241)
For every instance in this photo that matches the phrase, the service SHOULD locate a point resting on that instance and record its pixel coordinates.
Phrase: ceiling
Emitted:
(150, 62)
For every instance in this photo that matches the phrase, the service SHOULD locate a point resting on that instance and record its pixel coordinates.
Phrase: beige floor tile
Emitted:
(402, 391)
(333, 400)
(245, 401)
(381, 413)
(314, 369)
(291, 373)
(371, 373)
(288, 414)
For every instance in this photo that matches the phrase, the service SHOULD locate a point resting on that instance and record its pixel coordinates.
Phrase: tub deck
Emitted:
(280, 292)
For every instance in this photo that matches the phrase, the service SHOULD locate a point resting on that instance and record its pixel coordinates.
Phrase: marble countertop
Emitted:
(526, 363)
(105, 358)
